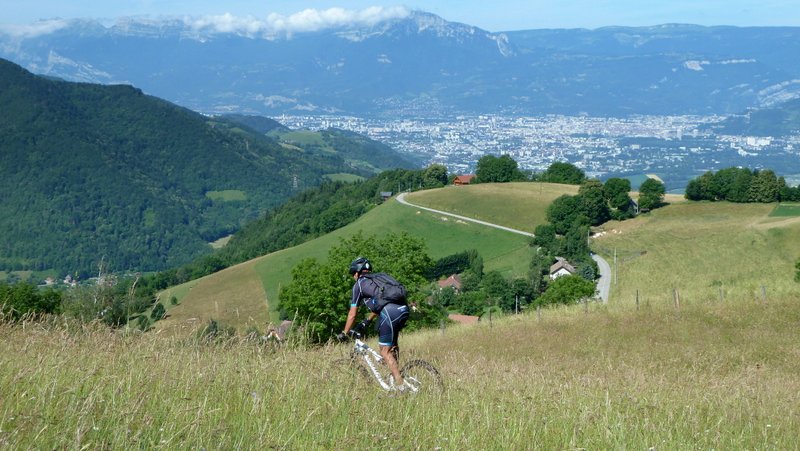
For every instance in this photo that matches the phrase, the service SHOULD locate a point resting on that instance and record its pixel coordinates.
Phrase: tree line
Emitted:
(741, 185)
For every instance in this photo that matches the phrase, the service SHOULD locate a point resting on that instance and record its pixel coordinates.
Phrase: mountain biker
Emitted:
(392, 316)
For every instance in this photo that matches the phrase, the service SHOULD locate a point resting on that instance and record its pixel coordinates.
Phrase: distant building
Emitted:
(561, 268)
(464, 319)
(453, 281)
(463, 179)
(386, 195)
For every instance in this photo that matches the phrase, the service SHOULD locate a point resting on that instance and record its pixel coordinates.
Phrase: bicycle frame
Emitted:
(372, 359)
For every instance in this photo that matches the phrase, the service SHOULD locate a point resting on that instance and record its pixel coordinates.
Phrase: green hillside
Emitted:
(705, 251)
(91, 173)
(781, 120)
(695, 248)
(521, 206)
(233, 297)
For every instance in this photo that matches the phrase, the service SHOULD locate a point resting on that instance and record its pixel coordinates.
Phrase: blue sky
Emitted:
(492, 15)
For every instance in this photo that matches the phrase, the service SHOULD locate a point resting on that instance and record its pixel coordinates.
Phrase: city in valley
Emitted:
(674, 148)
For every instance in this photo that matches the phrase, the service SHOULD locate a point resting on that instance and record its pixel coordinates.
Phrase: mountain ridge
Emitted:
(419, 64)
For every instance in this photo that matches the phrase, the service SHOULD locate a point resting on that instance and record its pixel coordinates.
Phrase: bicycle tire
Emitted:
(350, 366)
(422, 375)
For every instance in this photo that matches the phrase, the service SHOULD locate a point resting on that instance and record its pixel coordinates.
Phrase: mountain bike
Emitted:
(421, 376)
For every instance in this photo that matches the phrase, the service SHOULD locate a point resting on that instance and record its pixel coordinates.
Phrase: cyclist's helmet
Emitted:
(360, 264)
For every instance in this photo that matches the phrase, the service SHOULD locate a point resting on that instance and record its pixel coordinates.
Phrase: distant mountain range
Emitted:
(422, 65)
(91, 172)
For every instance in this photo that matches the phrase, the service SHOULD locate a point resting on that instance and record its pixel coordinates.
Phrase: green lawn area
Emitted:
(344, 177)
(786, 210)
(521, 206)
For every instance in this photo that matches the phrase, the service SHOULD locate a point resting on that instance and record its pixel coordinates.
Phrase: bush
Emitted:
(159, 312)
(215, 331)
(567, 290)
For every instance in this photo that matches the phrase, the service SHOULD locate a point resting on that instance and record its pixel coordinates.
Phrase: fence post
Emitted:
(637, 299)
(586, 305)
(677, 298)
(539, 312)
(764, 294)
(441, 325)
(721, 295)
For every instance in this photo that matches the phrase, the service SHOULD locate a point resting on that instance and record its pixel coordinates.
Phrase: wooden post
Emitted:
(441, 324)
(586, 305)
(637, 300)
(763, 294)
(539, 312)
(721, 295)
(490, 318)
(677, 298)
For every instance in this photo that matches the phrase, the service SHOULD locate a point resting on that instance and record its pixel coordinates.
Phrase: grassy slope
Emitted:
(520, 206)
(711, 376)
(700, 248)
(228, 294)
(696, 248)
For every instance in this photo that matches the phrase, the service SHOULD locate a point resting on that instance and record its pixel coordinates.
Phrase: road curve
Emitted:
(603, 285)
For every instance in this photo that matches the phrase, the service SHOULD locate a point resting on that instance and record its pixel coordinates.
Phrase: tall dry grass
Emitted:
(714, 375)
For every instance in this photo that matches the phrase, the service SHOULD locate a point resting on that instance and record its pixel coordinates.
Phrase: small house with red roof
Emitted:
(463, 179)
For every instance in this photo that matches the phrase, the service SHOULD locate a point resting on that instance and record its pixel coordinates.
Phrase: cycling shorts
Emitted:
(391, 321)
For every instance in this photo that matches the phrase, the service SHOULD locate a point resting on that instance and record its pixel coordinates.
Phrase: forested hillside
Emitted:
(90, 172)
(780, 120)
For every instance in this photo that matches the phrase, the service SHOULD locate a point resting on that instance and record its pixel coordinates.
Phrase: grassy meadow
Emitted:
(521, 206)
(704, 251)
(714, 375)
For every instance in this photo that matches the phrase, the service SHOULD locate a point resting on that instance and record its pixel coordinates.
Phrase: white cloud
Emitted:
(35, 29)
(304, 21)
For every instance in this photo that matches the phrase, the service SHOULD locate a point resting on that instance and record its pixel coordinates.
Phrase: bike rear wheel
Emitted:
(422, 376)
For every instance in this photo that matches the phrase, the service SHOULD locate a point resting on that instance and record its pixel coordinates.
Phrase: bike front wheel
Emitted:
(352, 366)
(422, 376)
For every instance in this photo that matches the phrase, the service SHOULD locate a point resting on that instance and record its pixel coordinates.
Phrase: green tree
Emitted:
(560, 172)
(492, 169)
(567, 290)
(539, 269)
(435, 176)
(575, 244)
(544, 236)
(764, 187)
(23, 298)
(564, 212)
(651, 194)
(700, 188)
(593, 202)
(616, 192)
(319, 293)
(472, 303)
(497, 289)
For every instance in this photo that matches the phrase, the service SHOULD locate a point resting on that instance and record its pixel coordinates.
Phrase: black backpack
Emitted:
(390, 291)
